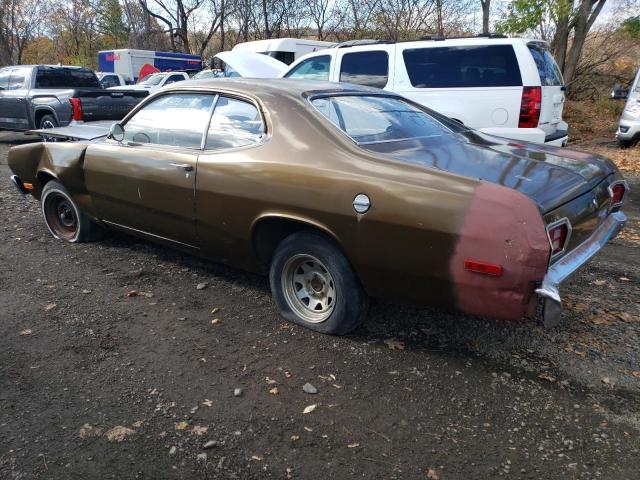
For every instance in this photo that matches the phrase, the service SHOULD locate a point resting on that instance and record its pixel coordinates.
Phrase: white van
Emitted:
(628, 133)
(287, 50)
(510, 87)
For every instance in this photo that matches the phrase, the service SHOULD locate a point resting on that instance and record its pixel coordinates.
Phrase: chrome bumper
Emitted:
(18, 184)
(572, 261)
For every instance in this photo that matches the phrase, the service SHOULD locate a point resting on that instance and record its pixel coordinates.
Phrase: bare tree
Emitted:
(20, 22)
(486, 12)
(175, 14)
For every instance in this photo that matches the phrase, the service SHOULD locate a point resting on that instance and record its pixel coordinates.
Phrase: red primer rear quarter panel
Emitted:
(503, 227)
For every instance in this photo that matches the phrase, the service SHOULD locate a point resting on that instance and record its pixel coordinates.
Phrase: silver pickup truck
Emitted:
(48, 96)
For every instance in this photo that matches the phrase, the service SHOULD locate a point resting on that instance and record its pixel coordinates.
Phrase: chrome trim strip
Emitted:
(576, 258)
(17, 182)
(124, 227)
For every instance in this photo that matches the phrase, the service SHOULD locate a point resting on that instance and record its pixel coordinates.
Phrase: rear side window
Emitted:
(110, 81)
(66, 78)
(315, 68)
(547, 68)
(464, 66)
(235, 123)
(16, 81)
(365, 68)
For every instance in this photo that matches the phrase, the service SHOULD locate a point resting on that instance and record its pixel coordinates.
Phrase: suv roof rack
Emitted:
(440, 38)
(365, 41)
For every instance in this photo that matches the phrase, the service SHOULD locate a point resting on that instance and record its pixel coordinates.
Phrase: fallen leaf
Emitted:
(606, 380)
(568, 348)
(215, 321)
(308, 429)
(295, 438)
(394, 344)
(215, 310)
(49, 306)
(547, 376)
(138, 424)
(603, 319)
(636, 373)
(256, 457)
(432, 474)
(118, 433)
(287, 374)
(310, 408)
(581, 354)
(625, 317)
(599, 282)
(26, 332)
(88, 430)
(182, 425)
(198, 430)
(207, 402)
(624, 279)
(136, 293)
(353, 445)
(274, 391)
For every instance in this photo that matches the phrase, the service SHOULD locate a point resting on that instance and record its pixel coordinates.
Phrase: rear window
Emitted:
(377, 119)
(464, 66)
(365, 68)
(66, 78)
(547, 68)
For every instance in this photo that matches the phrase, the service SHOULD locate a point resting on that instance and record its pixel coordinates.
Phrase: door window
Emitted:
(110, 81)
(178, 120)
(315, 68)
(235, 123)
(463, 66)
(365, 68)
(174, 79)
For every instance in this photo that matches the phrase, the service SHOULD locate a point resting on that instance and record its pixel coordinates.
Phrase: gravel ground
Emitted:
(98, 384)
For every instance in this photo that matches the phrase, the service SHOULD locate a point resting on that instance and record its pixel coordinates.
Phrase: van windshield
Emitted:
(375, 119)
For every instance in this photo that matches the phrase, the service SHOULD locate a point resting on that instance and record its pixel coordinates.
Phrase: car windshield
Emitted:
(153, 79)
(378, 119)
(204, 74)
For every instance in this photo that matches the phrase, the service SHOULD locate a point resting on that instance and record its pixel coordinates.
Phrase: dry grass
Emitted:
(592, 127)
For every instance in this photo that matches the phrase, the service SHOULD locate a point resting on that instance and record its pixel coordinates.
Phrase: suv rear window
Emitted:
(365, 68)
(464, 66)
(547, 68)
(66, 78)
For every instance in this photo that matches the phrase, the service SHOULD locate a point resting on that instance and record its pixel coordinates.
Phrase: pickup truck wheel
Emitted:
(48, 121)
(314, 285)
(62, 216)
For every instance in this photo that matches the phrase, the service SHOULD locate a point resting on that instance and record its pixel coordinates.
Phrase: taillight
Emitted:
(559, 233)
(530, 107)
(76, 105)
(617, 191)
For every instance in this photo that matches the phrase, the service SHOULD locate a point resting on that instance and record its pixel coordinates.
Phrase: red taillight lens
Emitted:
(530, 107)
(617, 191)
(76, 105)
(558, 237)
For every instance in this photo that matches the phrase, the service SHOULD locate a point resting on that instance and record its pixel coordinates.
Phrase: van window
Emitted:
(464, 66)
(315, 68)
(284, 57)
(365, 68)
(547, 68)
(61, 77)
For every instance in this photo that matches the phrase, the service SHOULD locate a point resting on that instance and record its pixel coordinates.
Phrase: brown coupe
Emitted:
(339, 192)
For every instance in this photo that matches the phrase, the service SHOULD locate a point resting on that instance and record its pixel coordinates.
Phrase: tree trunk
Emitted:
(486, 7)
(440, 25)
(584, 18)
(561, 40)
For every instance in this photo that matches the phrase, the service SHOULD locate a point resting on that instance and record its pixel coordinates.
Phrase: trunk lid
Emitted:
(253, 65)
(550, 176)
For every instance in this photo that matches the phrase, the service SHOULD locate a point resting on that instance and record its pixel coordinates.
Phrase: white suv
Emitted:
(509, 87)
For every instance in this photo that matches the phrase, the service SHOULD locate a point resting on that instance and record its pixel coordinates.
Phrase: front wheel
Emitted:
(314, 285)
(62, 216)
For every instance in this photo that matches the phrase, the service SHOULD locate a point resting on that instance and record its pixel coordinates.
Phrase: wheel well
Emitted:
(44, 178)
(41, 113)
(269, 232)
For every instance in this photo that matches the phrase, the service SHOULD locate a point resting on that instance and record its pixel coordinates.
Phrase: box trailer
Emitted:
(128, 62)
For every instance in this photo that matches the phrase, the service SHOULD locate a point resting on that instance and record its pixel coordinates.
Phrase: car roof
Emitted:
(262, 87)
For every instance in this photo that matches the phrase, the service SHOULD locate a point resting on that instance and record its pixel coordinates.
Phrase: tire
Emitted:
(48, 121)
(313, 285)
(626, 143)
(62, 216)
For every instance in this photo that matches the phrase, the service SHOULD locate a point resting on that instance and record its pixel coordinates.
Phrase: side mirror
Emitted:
(619, 92)
(116, 132)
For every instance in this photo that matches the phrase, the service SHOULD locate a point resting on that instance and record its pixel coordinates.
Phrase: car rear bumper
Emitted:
(572, 261)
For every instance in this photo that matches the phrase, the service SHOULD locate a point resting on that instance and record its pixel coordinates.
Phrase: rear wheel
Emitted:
(314, 285)
(626, 143)
(62, 216)
(46, 122)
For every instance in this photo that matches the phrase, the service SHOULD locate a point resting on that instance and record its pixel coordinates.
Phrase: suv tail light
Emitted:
(530, 107)
(617, 191)
(76, 105)
(559, 233)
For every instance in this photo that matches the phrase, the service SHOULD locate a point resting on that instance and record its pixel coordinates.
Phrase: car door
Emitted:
(146, 182)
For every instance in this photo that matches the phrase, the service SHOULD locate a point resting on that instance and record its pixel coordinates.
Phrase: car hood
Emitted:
(253, 65)
(550, 176)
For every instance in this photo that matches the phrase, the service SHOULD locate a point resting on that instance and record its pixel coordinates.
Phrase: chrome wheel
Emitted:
(45, 125)
(308, 288)
(48, 124)
(61, 216)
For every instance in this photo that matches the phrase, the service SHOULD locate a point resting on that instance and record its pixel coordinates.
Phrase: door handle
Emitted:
(183, 166)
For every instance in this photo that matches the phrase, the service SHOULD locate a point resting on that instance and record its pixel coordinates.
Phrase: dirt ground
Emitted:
(98, 384)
